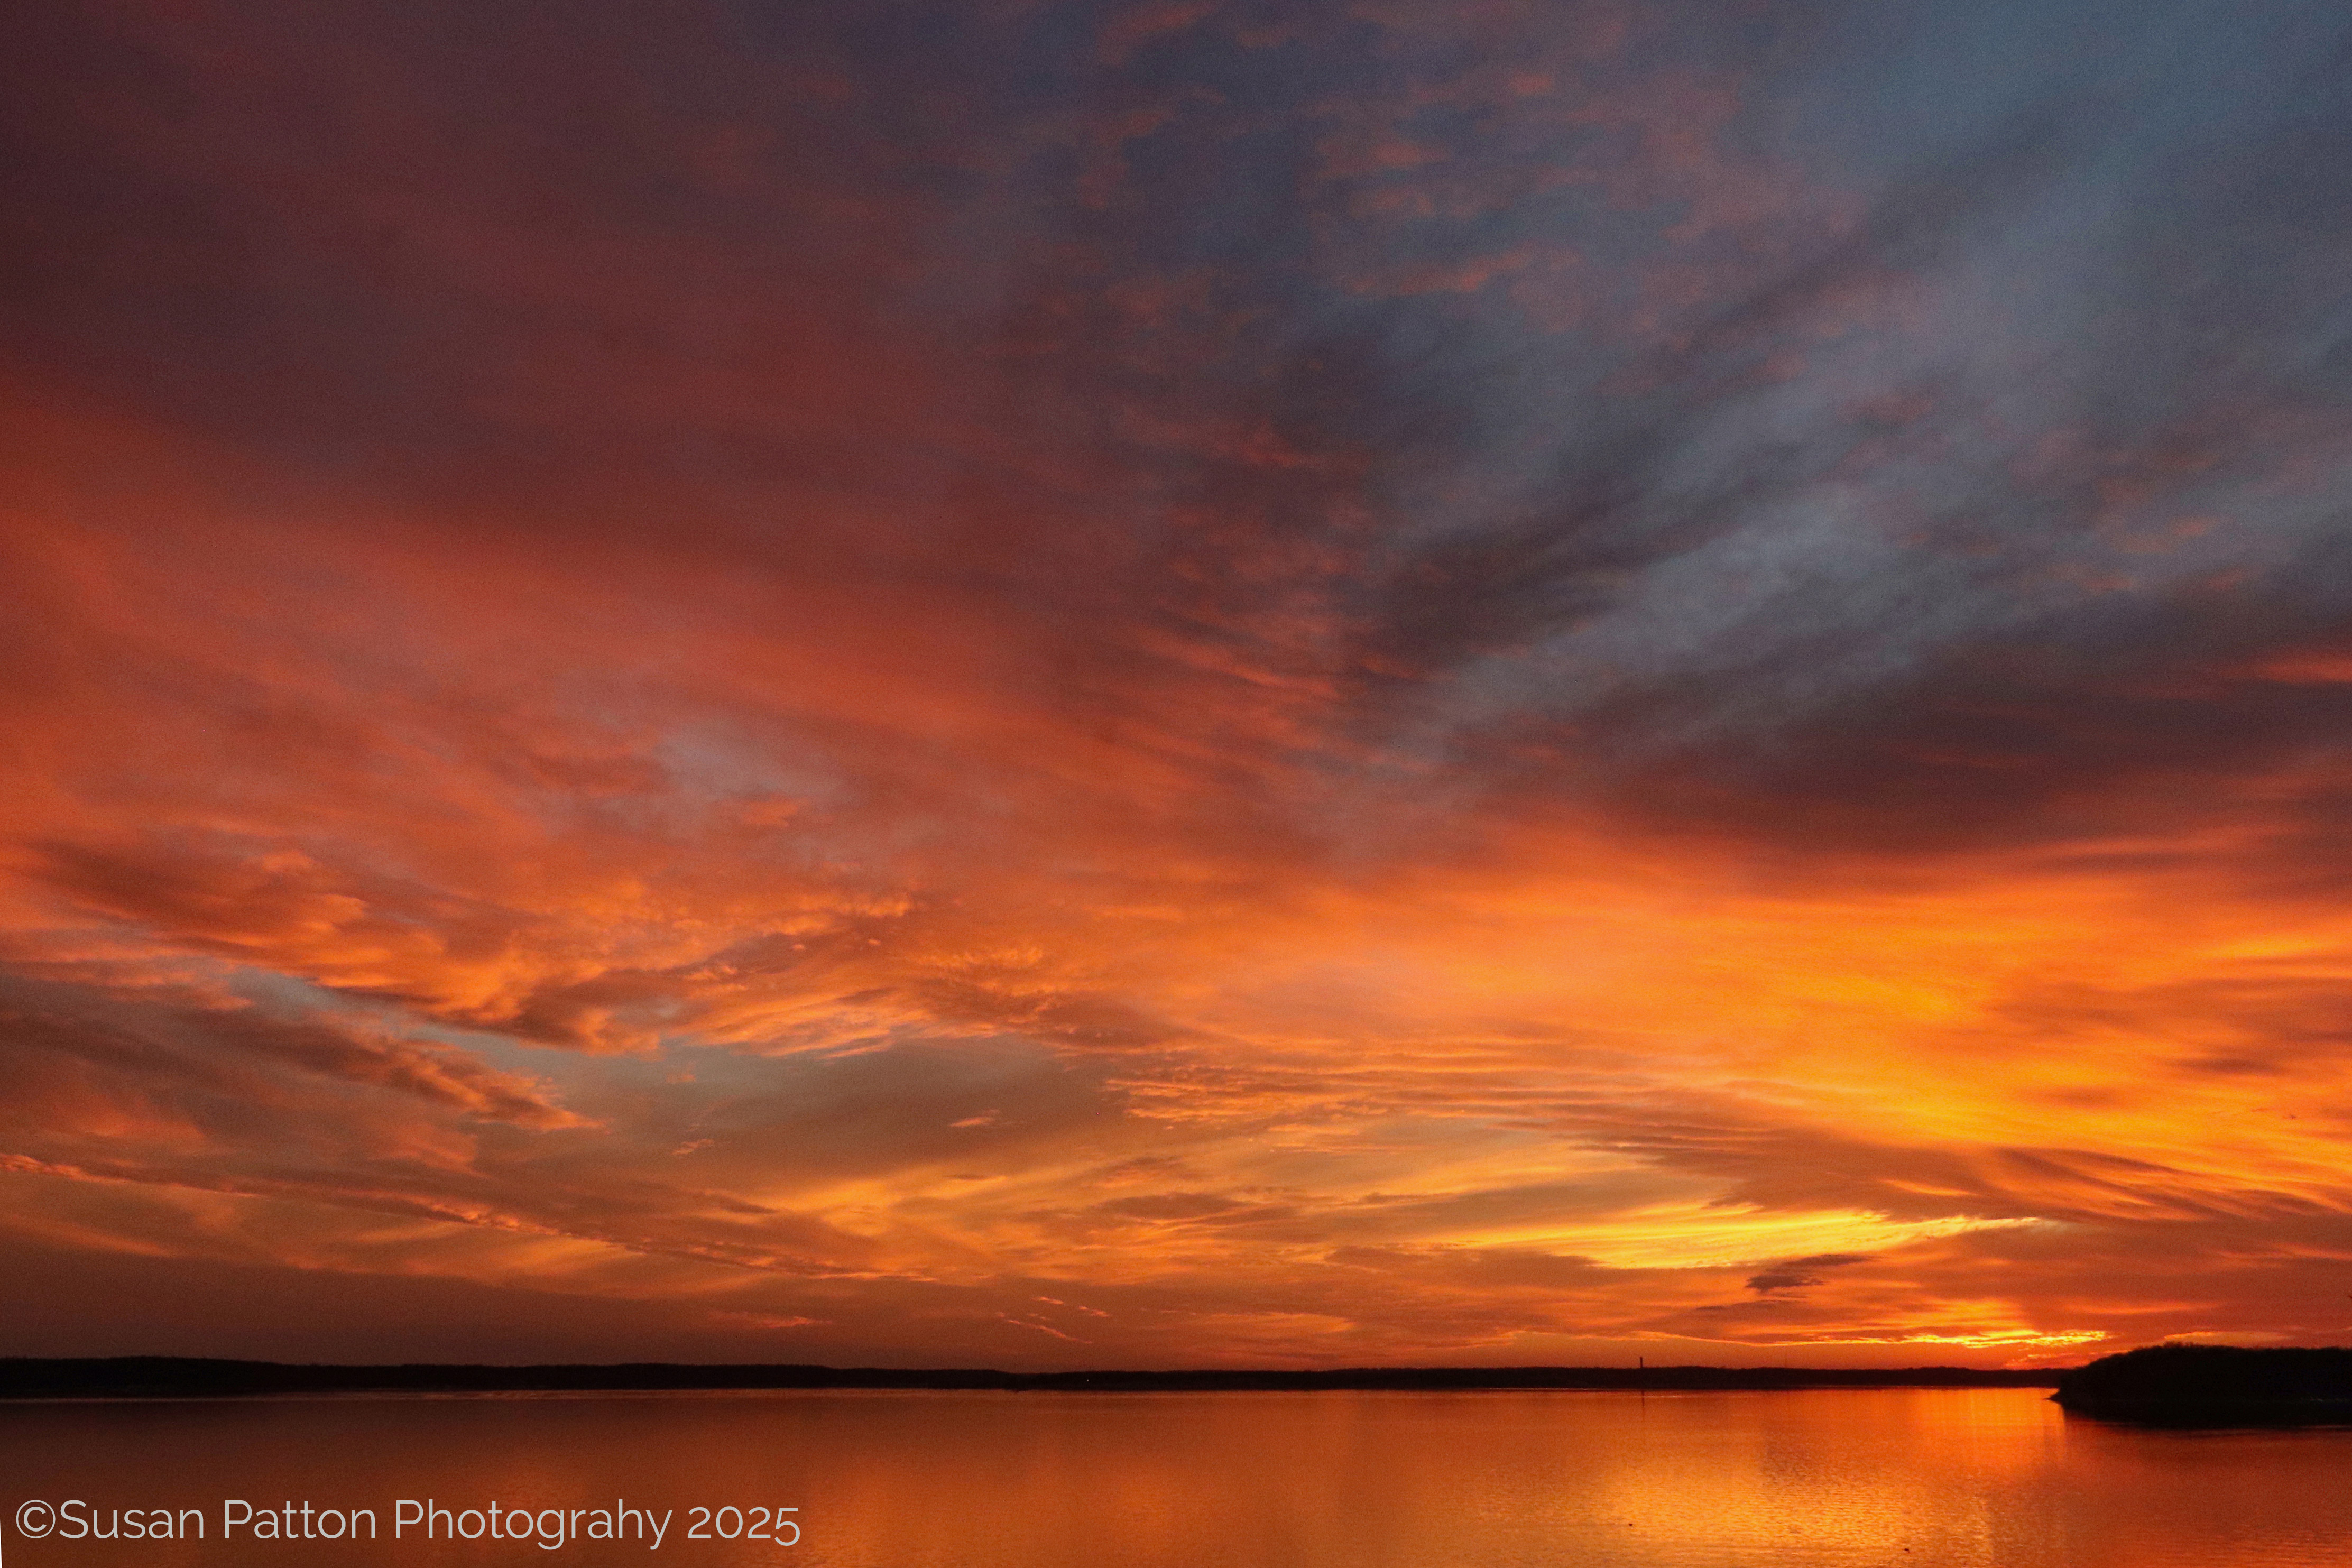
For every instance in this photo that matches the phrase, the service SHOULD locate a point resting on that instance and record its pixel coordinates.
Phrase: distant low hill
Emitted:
(152, 1377)
(2214, 1386)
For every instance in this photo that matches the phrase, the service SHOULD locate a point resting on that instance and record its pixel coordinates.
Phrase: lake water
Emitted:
(1985, 1478)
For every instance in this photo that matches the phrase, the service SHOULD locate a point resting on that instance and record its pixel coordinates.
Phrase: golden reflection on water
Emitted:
(1958, 1479)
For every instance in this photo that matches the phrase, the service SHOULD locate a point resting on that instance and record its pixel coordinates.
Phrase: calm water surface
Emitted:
(1985, 1478)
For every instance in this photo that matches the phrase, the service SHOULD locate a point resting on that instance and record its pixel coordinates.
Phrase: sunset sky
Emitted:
(1049, 684)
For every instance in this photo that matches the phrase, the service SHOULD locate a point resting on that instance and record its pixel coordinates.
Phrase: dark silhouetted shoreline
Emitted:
(2214, 1386)
(171, 1378)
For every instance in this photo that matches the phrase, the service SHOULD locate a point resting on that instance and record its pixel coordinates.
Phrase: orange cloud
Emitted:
(1302, 706)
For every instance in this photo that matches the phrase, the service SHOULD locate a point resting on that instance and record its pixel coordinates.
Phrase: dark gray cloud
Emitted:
(1874, 422)
(1799, 1272)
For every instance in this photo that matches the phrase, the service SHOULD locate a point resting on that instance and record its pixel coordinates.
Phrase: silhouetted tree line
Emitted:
(2205, 1386)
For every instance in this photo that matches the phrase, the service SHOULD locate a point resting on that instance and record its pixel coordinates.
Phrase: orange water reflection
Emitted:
(1994, 1479)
